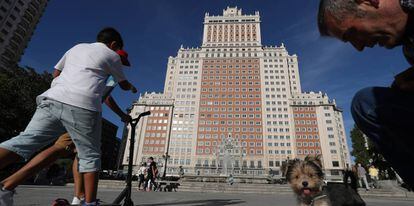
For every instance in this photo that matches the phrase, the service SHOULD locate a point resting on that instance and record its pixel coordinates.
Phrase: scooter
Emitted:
(126, 193)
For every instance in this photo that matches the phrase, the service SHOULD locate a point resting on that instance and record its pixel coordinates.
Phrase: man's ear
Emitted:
(374, 3)
(113, 45)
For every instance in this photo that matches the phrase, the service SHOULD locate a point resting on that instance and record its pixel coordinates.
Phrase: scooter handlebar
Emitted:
(135, 121)
(145, 114)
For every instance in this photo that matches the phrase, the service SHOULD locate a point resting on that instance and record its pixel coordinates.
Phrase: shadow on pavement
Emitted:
(212, 202)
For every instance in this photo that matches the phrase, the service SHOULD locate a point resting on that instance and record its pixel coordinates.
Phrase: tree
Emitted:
(366, 153)
(19, 88)
(359, 149)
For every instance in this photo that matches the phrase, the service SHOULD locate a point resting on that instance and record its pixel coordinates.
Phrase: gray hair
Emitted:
(339, 9)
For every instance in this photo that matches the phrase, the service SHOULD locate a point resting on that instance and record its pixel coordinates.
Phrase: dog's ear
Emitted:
(287, 168)
(315, 159)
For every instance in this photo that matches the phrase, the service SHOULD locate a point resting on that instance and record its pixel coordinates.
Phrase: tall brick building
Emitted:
(234, 86)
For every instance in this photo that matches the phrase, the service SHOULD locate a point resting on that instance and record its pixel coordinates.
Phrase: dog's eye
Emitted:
(297, 176)
(311, 175)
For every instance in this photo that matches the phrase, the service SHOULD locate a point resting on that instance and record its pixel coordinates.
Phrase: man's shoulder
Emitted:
(96, 46)
(80, 46)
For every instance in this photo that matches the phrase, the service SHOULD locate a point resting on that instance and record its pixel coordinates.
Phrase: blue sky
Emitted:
(154, 30)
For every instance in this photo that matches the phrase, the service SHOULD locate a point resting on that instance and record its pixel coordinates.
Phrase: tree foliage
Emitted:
(366, 153)
(18, 90)
(359, 150)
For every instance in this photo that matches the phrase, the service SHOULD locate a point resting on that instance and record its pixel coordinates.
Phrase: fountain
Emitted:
(228, 152)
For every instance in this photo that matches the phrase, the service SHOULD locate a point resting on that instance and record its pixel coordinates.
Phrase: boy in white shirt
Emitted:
(73, 104)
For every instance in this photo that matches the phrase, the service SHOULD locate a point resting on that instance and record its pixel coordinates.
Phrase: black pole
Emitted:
(168, 143)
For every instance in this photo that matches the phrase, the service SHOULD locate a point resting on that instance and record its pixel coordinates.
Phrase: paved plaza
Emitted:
(43, 195)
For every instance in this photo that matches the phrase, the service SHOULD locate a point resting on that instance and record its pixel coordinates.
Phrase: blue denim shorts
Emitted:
(52, 119)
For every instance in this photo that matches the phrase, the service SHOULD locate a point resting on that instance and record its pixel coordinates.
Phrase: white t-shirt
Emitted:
(142, 170)
(85, 69)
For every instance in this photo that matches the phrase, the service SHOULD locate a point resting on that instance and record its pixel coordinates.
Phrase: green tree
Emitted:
(366, 153)
(18, 90)
(359, 150)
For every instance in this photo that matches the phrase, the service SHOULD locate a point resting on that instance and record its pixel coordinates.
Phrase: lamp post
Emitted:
(171, 106)
(166, 156)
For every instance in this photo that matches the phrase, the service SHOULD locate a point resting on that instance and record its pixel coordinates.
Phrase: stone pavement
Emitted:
(43, 196)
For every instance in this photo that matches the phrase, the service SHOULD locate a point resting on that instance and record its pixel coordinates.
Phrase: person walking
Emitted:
(152, 172)
(362, 176)
(141, 175)
(373, 173)
(180, 171)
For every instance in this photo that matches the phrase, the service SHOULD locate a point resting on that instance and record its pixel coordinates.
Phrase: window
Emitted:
(335, 163)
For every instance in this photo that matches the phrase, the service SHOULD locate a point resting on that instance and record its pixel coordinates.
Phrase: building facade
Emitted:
(110, 145)
(233, 86)
(152, 132)
(18, 20)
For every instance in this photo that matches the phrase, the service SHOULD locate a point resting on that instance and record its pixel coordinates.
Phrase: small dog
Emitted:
(306, 179)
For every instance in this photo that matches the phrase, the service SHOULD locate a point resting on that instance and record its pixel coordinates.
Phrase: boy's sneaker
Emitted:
(77, 201)
(96, 203)
(6, 197)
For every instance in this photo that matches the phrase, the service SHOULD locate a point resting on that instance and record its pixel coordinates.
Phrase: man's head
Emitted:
(111, 37)
(150, 159)
(363, 23)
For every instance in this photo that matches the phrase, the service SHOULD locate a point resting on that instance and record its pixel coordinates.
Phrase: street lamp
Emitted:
(166, 156)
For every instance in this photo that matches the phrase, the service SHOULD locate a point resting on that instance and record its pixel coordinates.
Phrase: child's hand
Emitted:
(133, 89)
(126, 118)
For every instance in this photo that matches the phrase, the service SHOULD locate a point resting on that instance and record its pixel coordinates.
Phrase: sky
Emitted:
(154, 30)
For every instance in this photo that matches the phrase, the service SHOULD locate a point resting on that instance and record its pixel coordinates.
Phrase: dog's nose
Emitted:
(305, 183)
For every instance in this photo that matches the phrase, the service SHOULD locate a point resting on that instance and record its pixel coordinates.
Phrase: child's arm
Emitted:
(56, 73)
(110, 102)
(125, 85)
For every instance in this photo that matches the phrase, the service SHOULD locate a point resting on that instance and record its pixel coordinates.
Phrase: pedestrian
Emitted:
(362, 176)
(230, 180)
(180, 171)
(141, 175)
(72, 104)
(152, 173)
(373, 173)
(384, 114)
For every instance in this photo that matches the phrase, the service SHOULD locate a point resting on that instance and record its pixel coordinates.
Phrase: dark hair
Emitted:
(108, 35)
(339, 9)
(151, 158)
